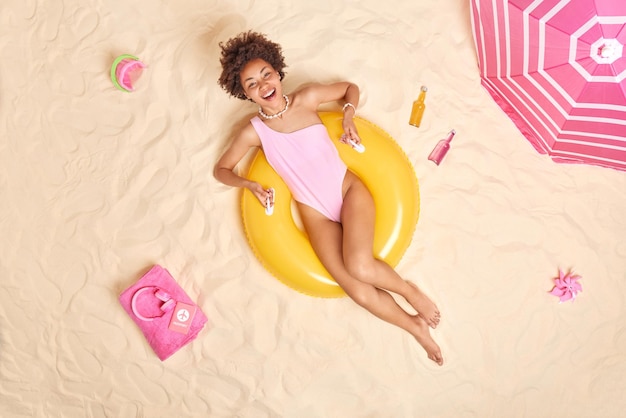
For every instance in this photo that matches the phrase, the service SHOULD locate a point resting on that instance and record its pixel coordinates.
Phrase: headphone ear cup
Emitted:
(169, 305)
(162, 295)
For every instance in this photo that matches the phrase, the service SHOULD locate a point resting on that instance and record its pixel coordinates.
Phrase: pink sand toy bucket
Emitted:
(125, 71)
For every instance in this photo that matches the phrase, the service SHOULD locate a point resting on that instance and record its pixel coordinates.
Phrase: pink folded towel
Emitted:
(168, 318)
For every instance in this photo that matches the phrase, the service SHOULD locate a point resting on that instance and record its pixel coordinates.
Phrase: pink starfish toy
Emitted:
(566, 286)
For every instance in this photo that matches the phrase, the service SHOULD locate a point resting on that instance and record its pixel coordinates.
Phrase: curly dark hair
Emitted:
(240, 50)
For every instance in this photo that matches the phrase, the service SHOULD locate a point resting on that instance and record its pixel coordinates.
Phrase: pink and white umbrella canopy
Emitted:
(558, 69)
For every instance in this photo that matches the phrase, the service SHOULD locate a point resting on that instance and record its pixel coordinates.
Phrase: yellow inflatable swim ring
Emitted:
(283, 248)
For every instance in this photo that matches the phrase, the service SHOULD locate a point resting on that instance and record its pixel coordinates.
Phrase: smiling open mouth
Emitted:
(270, 95)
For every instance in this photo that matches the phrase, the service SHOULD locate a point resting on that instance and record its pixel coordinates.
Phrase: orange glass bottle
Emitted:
(418, 108)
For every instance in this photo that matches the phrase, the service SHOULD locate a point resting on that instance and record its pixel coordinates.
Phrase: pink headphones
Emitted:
(160, 294)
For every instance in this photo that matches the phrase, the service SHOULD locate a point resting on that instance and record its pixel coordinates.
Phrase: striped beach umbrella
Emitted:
(558, 69)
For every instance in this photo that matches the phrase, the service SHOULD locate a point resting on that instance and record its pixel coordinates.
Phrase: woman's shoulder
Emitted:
(248, 135)
(307, 89)
(307, 94)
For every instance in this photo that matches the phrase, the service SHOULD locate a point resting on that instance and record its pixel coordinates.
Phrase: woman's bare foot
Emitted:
(425, 307)
(422, 335)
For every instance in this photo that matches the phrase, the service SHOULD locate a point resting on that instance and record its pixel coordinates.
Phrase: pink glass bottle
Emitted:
(441, 149)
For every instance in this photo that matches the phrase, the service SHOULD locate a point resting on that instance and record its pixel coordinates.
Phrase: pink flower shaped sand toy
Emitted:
(566, 286)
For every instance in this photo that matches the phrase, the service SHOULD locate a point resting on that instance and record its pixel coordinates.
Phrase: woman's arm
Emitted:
(224, 168)
(324, 93)
(341, 91)
(351, 96)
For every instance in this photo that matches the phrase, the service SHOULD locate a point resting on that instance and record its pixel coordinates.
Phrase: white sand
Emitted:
(97, 185)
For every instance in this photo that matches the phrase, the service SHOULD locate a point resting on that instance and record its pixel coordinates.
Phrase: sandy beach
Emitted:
(99, 184)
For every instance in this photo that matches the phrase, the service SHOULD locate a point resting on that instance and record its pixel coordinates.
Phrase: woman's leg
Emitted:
(326, 237)
(358, 237)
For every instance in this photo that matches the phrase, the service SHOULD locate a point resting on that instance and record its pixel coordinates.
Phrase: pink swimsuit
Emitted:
(309, 163)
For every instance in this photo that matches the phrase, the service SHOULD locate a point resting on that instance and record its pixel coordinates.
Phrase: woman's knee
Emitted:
(361, 268)
(363, 295)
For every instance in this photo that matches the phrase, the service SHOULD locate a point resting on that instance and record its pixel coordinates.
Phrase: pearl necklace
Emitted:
(276, 115)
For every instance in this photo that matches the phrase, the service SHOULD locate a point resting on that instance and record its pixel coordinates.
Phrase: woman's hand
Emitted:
(350, 132)
(262, 194)
(349, 128)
